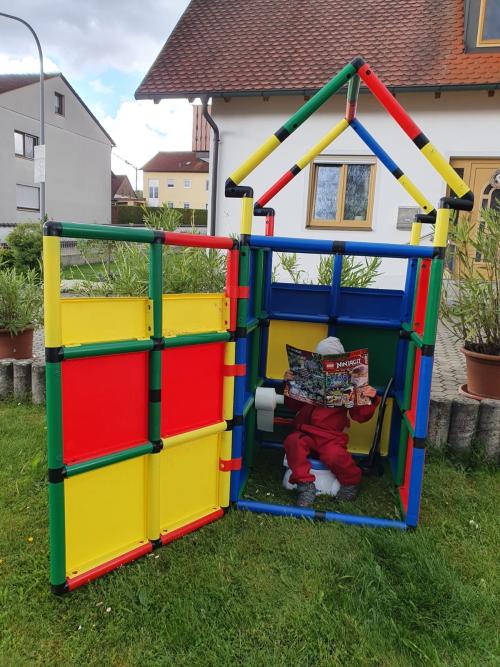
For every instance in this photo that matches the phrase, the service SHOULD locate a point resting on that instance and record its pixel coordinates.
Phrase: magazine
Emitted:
(330, 381)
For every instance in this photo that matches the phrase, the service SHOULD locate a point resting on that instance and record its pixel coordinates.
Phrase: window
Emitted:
(170, 204)
(153, 186)
(206, 184)
(170, 183)
(27, 197)
(187, 183)
(59, 104)
(186, 204)
(341, 193)
(488, 32)
(25, 144)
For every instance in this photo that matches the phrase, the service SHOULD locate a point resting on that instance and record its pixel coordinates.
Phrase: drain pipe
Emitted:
(215, 163)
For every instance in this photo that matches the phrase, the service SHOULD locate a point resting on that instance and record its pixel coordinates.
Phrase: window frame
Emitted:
(153, 183)
(187, 180)
(186, 205)
(480, 42)
(28, 208)
(60, 98)
(24, 135)
(170, 183)
(344, 161)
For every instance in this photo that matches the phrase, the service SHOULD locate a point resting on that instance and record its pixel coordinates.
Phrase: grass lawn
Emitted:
(83, 272)
(257, 590)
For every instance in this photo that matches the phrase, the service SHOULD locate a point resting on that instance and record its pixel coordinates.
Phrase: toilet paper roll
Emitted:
(266, 400)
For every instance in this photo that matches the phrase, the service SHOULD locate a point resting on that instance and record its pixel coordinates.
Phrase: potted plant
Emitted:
(20, 312)
(471, 300)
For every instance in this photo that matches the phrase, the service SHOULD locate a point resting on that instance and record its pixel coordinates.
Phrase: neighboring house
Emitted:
(78, 154)
(440, 59)
(178, 179)
(122, 192)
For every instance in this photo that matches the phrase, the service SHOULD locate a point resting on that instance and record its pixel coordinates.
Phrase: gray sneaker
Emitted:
(348, 493)
(307, 494)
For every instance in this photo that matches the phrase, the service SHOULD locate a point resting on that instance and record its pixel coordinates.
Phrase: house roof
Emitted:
(9, 82)
(121, 187)
(236, 47)
(176, 161)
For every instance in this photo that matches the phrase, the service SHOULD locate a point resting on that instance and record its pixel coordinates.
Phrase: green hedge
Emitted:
(132, 215)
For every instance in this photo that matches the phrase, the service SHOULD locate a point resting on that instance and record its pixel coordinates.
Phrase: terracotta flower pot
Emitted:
(16, 347)
(483, 374)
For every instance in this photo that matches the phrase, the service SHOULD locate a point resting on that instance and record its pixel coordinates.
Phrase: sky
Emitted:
(104, 48)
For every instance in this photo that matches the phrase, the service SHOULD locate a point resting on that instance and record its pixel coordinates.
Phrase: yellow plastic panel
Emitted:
(305, 335)
(101, 319)
(189, 481)
(194, 313)
(105, 514)
(361, 435)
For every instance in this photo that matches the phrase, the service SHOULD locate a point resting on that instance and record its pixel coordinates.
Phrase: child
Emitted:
(324, 432)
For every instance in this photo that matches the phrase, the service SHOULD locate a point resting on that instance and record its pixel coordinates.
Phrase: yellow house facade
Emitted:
(177, 179)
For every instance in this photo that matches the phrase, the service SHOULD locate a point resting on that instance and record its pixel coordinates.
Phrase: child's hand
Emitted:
(369, 392)
(288, 376)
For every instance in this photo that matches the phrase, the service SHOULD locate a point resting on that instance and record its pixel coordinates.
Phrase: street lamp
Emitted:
(130, 165)
(42, 108)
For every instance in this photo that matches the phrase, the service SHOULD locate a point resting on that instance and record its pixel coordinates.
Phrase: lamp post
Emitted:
(42, 106)
(130, 165)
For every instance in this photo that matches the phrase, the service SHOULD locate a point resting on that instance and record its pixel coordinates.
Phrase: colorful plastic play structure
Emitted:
(150, 400)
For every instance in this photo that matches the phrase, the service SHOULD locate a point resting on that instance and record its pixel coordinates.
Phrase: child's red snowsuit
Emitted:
(322, 430)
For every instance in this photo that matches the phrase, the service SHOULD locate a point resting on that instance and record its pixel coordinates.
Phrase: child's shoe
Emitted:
(348, 493)
(307, 494)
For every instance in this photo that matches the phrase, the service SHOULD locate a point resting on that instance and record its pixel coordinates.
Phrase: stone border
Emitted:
(456, 425)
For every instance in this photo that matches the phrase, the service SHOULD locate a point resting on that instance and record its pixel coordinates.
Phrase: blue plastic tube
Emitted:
(304, 513)
(423, 396)
(334, 295)
(409, 293)
(373, 145)
(357, 248)
(415, 491)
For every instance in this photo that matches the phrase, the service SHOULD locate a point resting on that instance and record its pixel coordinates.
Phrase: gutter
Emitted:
(215, 165)
(157, 97)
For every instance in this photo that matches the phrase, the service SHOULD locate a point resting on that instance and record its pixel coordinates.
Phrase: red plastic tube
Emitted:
(274, 189)
(269, 225)
(388, 101)
(232, 286)
(190, 527)
(100, 570)
(198, 241)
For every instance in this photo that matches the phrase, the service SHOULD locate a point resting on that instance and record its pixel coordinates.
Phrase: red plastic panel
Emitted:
(421, 297)
(104, 404)
(191, 387)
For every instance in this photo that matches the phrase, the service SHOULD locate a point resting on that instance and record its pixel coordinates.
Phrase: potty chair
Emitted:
(325, 481)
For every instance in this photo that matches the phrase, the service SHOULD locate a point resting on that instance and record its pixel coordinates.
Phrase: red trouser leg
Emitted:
(298, 447)
(340, 462)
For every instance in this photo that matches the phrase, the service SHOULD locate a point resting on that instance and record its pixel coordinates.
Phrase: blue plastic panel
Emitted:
(375, 304)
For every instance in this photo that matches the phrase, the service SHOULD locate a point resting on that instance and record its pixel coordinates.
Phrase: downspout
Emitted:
(215, 163)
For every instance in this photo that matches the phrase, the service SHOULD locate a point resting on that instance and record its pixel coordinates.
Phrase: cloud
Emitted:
(91, 36)
(99, 87)
(141, 129)
(11, 65)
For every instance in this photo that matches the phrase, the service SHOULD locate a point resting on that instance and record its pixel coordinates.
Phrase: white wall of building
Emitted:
(460, 124)
(78, 171)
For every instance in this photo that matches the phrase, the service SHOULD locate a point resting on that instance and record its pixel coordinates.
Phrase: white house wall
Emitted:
(460, 124)
(78, 171)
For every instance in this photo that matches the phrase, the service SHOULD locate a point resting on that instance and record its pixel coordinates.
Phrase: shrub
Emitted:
(354, 273)
(138, 215)
(470, 307)
(20, 300)
(24, 247)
